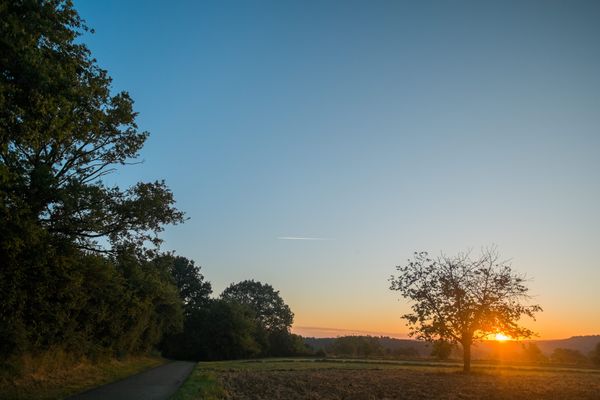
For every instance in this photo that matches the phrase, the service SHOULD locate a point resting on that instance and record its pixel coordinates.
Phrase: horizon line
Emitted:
(359, 331)
(405, 336)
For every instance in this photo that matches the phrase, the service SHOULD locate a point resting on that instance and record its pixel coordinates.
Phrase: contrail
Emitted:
(301, 238)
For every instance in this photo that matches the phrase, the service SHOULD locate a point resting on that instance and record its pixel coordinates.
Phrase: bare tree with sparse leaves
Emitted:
(463, 299)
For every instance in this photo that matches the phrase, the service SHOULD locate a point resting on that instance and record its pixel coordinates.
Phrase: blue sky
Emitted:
(383, 127)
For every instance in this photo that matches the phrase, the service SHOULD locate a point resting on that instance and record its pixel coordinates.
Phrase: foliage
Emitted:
(61, 130)
(75, 254)
(274, 317)
(567, 356)
(229, 327)
(228, 331)
(154, 308)
(193, 290)
(220, 331)
(271, 311)
(532, 353)
(356, 346)
(441, 349)
(286, 344)
(390, 348)
(91, 305)
(462, 300)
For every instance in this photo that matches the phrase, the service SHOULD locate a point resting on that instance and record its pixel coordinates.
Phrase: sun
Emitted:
(501, 337)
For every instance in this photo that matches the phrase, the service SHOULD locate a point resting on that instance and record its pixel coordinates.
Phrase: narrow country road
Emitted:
(156, 384)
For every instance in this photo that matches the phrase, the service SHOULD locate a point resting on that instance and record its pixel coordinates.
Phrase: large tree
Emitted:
(63, 231)
(221, 330)
(61, 131)
(274, 318)
(463, 299)
(193, 290)
(271, 311)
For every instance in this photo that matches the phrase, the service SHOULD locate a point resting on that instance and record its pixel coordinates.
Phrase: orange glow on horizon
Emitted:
(320, 329)
(333, 318)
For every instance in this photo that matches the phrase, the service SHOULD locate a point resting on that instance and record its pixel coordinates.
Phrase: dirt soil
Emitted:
(406, 384)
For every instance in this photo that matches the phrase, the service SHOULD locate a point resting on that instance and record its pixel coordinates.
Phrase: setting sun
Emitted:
(501, 337)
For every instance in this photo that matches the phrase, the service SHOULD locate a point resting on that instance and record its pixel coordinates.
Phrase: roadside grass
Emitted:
(56, 374)
(292, 379)
(200, 385)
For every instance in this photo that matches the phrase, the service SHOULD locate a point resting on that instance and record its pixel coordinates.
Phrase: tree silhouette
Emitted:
(441, 349)
(271, 311)
(532, 353)
(463, 299)
(75, 252)
(567, 356)
(194, 291)
(61, 131)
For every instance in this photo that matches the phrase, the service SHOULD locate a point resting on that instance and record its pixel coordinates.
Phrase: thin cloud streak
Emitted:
(301, 238)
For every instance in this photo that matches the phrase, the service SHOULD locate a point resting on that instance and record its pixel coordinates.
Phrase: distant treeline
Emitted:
(357, 346)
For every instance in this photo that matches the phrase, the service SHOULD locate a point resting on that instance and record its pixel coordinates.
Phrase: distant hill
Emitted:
(493, 349)
(484, 350)
(584, 344)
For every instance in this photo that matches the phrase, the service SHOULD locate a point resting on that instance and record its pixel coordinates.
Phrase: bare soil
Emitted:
(410, 384)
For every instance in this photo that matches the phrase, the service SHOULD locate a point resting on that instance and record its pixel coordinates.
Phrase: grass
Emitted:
(355, 379)
(56, 375)
(200, 385)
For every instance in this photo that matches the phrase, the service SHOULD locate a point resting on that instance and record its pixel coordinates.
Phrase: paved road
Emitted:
(156, 384)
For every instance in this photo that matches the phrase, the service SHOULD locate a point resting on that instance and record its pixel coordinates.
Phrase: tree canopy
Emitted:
(271, 311)
(463, 299)
(62, 130)
(250, 319)
(194, 291)
(77, 256)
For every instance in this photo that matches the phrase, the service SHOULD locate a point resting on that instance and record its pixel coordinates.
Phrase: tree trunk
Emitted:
(466, 356)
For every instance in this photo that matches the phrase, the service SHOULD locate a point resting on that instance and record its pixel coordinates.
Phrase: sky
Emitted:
(375, 129)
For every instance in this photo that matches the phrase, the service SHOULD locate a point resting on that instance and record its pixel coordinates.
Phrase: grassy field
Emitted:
(56, 375)
(327, 379)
